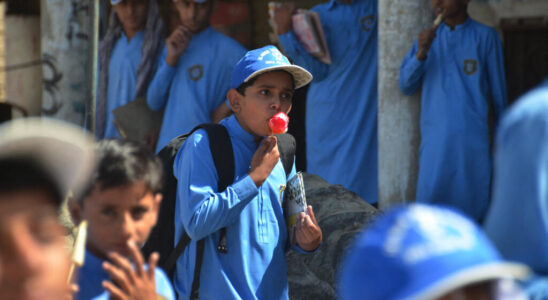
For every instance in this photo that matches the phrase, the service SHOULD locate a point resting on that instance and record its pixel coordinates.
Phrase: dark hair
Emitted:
(242, 87)
(121, 163)
(20, 174)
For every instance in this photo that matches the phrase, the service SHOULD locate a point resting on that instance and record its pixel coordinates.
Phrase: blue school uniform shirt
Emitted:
(517, 221)
(461, 78)
(341, 107)
(91, 275)
(122, 77)
(196, 86)
(256, 235)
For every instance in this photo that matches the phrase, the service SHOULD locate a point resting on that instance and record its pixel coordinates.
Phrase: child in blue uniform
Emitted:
(517, 221)
(193, 72)
(341, 109)
(459, 66)
(254, 266)
(121, 207)
(40, 160)
(127, 54)
(427, 252)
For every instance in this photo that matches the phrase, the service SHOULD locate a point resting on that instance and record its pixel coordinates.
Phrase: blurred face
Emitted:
(271, 93)
(33, 260)
(450, 8)
(132, 14)
(116, 216)
(194, 16)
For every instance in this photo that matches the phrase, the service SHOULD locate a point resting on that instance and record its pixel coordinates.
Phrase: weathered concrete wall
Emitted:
(24, 73)
(400, 21)
(65, 27)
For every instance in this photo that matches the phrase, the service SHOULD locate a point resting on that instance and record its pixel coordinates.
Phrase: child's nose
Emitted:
(276, 103)
(128, 226)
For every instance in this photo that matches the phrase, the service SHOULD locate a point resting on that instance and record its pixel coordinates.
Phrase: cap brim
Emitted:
(500, 270)
(300, 75)
(60, 149)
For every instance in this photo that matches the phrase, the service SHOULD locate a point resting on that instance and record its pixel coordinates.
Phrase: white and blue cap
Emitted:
(60, 149)
(114, 2)
(263, 60)
(421, 252)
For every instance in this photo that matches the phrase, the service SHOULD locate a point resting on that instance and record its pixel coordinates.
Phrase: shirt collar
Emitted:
(236, 130)
(138, 36)
(460, 26)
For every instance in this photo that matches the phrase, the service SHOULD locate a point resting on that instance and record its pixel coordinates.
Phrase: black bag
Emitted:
(162, 237)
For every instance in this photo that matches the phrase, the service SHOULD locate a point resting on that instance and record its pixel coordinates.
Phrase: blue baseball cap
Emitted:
(263, 60)
(421, 252)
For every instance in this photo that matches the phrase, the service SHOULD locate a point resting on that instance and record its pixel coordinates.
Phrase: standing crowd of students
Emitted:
(472, 235)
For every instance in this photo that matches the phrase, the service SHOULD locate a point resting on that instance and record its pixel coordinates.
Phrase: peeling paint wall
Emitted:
(65, 27)
(23, 68)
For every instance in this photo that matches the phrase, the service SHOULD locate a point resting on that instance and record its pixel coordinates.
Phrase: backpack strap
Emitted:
(287, 147)
(223, 158)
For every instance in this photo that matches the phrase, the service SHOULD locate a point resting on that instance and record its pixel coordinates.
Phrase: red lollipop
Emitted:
(278, 123)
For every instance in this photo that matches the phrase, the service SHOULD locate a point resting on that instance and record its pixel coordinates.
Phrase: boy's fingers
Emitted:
(311, 214)
(152, 263)
(123, 265)
(114, 291)
(137, 258)
(118, 276)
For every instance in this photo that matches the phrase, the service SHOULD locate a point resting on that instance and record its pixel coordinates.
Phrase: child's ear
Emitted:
(235, 99)
(156, 206)
(75, 210)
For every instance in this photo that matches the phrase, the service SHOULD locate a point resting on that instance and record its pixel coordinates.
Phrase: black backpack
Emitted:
(162, 236)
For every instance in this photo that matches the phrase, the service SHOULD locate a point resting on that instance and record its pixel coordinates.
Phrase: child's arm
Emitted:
(157, 93)
(292, 47)
(131, 281)
(202, 209)
(411, 72)
(496, 76)
(424, 41)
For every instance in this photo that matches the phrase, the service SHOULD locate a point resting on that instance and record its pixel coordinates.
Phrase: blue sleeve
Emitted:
(163, 285)
(411, 72)
(295, 51)
(202, 208)
(496, 75)
(157, 93)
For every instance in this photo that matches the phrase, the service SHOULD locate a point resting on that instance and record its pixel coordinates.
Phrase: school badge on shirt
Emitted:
(196, 72)
(470, 66)
(368, 22)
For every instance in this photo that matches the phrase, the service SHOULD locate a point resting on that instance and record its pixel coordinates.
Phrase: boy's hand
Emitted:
(309, 233)
(131, 282)
(264, 160)
(176, 44)
(426, 37)
(72, 290)
(282, 17)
